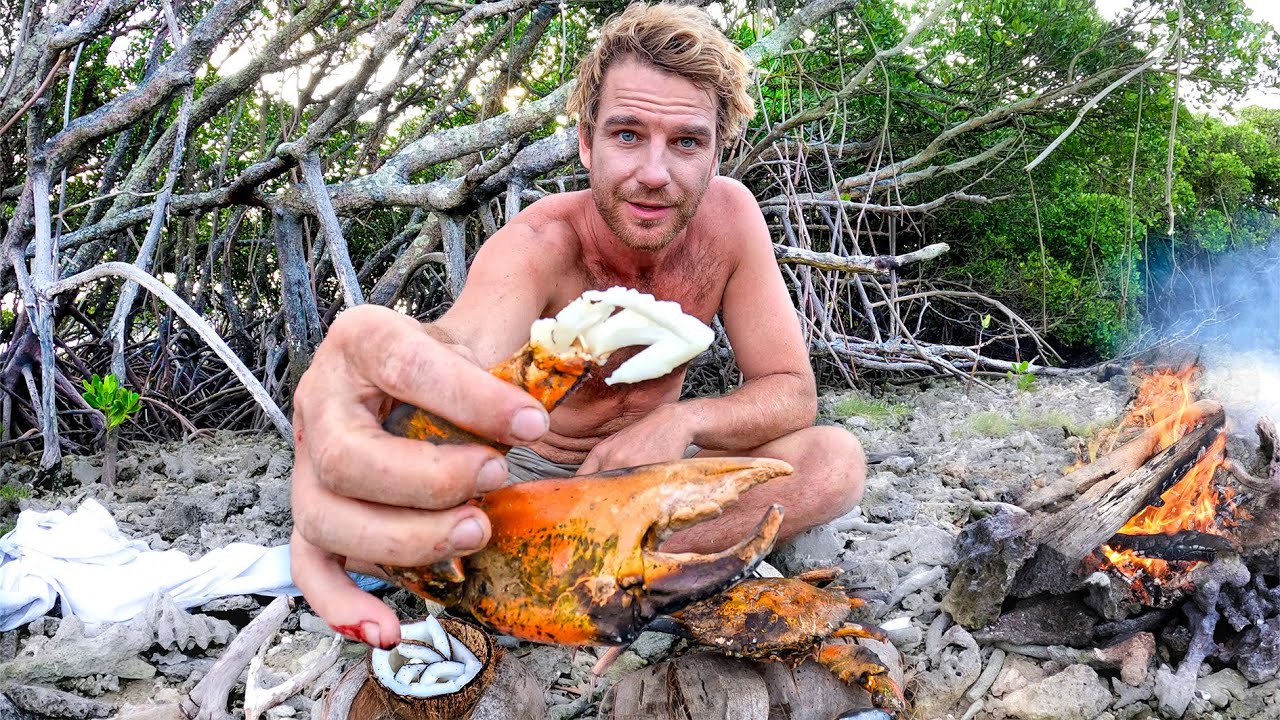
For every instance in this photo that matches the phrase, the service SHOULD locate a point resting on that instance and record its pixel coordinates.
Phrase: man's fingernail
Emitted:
(372, 633)
(493, 475)
(467, 535)
(529, 424)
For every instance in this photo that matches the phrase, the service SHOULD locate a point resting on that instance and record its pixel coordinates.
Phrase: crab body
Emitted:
(575, 561)
(789, 619)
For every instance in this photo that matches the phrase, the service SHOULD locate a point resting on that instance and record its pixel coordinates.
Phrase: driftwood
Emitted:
(703, 685)
(1065, 537)
(208, 699)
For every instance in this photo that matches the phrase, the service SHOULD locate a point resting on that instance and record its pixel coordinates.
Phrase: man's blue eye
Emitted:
(688, 143)
(626, 136)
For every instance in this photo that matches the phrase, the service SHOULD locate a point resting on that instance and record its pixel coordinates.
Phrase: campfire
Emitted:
(1152, 538)
(1157, 549)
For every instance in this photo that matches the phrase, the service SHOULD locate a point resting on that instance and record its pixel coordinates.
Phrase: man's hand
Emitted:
(362, 494)
(662, 435)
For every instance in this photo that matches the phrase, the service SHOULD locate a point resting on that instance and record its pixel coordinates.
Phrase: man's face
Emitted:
(652, 154)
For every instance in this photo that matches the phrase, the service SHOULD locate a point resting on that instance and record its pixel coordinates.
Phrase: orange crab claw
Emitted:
(676, 579)
(546, 375)
(576, 561)
(856, 665)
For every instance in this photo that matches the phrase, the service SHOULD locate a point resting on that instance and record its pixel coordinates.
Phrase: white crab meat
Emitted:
(444, 665)
(590, 325)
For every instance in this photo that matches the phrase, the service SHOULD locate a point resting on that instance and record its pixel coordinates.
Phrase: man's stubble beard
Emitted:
(612, 207)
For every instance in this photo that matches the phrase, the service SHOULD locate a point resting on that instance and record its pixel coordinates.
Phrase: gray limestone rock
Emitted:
(817, 547)
(1017, 672)
(1174, 691)
(84, 470)
(546, 662)
(988, 556)
(1258, 652)
(958, 666)
(9, 711)
(884, 502)
(923, 544)
(869, 572)
(50, 702)
(1076, 693)
(273, 497)
(1042, 620)
(650, 645)
(1222, 687)
(1127, 694)
(176, 627)
(72, 653)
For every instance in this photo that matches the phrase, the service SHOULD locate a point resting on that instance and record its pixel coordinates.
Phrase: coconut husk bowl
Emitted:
(374, 701)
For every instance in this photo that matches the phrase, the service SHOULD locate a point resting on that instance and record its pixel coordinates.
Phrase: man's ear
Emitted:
(584, 146)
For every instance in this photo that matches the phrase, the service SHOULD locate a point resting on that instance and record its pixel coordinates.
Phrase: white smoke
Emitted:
(1231, 307)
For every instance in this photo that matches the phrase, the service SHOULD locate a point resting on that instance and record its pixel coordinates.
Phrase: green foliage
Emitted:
(115, 401)
(992, 424)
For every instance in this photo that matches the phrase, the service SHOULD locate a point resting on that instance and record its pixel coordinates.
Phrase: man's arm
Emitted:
(778, 395)
(361, 494)
(508, 287)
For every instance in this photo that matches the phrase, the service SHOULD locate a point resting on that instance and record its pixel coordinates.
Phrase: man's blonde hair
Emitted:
(675, 39)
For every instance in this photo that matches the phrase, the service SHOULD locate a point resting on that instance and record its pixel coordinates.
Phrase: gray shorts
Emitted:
(524, 464)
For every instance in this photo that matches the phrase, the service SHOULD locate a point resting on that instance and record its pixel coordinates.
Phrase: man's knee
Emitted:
(838, 465)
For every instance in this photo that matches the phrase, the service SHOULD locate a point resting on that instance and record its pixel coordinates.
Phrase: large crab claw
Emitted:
(576, 561)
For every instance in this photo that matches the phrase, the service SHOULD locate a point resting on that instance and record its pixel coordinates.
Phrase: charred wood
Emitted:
(1186, 545)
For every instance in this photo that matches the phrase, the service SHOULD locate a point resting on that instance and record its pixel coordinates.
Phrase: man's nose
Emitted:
(654, 172)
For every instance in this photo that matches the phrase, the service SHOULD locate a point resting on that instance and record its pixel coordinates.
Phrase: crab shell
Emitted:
(790, 619)
(576, 561)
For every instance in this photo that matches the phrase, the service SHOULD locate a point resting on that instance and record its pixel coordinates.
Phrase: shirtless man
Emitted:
(658, 98)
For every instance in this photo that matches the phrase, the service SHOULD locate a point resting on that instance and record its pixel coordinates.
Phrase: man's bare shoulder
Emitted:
(729, 206)
(549, 223)
(732, 192)
(545, 230)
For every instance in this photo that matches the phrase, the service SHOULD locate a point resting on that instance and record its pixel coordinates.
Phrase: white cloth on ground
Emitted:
(103, 576)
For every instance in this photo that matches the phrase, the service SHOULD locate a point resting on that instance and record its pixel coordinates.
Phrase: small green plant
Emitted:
(1021, 376)
(13, 493)
(117, 404)
(877, 412)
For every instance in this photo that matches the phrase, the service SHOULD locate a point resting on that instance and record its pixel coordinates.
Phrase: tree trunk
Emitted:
(109, 446)
(301, 314)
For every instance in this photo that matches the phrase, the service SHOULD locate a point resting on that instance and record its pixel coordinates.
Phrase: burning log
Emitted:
(1065, 537)
(1117, 463)
(1025, 555)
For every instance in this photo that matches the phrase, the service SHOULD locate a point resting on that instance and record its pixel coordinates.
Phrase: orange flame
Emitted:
(1191, 504)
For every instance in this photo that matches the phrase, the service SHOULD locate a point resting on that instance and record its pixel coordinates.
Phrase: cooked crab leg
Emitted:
(562, 350)
(546, 375)
(856, 665)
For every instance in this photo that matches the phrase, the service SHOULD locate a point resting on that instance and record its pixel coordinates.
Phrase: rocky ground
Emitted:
(953, 454)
